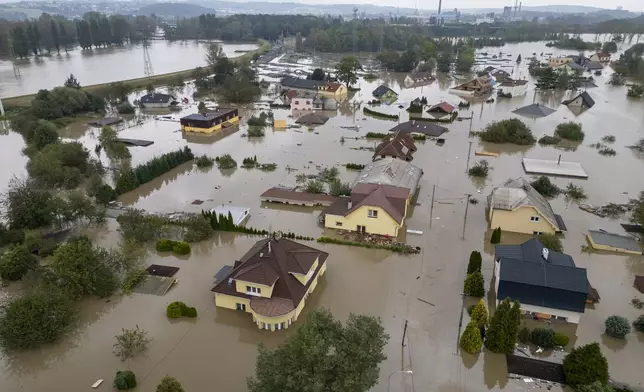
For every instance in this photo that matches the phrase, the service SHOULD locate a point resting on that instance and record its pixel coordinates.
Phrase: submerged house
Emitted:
(323, 89)
(371, 209)
(399, 145)
(546, 283)
(417, 79)
(474, 88)
(582, 101)
(601, 57)
(156, 100)
(441, 109)
(518, 207)
(272, 282)
(426, 128)
(554, 62)
(385, 94)
(611, 242)
(209, 122)
(515, 88)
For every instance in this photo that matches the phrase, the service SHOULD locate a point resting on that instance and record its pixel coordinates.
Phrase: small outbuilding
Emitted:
(312, 119)
(581, 101)
(534, 110)
(603, 240)
(385, 94)
(441, 108)
(156, 100)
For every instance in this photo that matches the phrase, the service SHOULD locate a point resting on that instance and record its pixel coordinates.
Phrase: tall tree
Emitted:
(504, 327)
(55, 36)
(298, 42)
(324, 355)
(347, 70)
(63, 37)
(214, 54)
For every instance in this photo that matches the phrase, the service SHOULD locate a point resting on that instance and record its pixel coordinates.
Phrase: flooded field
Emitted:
(219, 347)
(104, 65)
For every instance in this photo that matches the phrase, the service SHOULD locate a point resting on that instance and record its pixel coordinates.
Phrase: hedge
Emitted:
(165, 245)
(366, 110)
(157, 166)
(393, 248)
(543, 337)
(176, 247)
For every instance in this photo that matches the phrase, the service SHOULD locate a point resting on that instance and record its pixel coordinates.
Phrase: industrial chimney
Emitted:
(440, 5)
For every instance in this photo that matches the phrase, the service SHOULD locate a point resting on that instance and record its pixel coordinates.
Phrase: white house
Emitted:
(546, 283)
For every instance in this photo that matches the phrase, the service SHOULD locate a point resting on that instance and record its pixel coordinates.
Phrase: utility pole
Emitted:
(467, 204)
(431, 209)
(471, 119)
(469, 153)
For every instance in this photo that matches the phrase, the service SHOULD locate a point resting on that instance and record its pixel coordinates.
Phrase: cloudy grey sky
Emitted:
(632, 5)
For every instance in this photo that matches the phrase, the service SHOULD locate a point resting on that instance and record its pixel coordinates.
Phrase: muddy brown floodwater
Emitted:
(104, 65)
(219, 348)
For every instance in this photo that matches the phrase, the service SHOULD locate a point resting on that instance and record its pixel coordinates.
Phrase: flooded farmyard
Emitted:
(423, 291)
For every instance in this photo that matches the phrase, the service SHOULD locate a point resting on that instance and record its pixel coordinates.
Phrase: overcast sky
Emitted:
(631, 5)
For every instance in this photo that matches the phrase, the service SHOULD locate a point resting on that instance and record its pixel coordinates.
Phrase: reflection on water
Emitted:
(374, 282)
(103, 65)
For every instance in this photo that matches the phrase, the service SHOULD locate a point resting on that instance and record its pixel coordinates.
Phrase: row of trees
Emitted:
(53, 32)
(130, 179)
(631, 63)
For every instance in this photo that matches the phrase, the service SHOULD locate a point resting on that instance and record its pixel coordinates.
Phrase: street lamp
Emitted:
(397, 371)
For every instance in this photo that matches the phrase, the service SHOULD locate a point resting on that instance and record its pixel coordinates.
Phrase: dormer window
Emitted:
(256, 291)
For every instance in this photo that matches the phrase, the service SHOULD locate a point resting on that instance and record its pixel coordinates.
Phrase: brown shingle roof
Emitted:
(442, 107)
(392, 199)
(269, 262)
(400, 145)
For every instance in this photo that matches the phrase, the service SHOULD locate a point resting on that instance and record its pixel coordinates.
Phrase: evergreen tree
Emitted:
(474, 285)
(504, 327)
(231, 221)
(585, 365)
(496, 236)
(479, 313)
(475, 262)
(471, 341)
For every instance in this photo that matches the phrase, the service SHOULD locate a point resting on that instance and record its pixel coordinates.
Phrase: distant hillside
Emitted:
(174, 10)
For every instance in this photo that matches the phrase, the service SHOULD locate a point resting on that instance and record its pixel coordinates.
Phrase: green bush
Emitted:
(638, 324)
(548, 140)
(125, 107)
(585, 365)
(561, 339)
(508, 131)
(570, 131)
(475, 262)
(480, 169)
(175, 309)
(16, 262)
(33, 319)
(479, 313)
(226, 162)
(545, 187)
(617, 327)
(181, 248)
(471, 341)
(189, 311)
(204, 161)
(543, 337)
(474, 285)
(524, 335)
(165, 245)
(496, 236)
(124, 380)
(105, 194)
(169, 384)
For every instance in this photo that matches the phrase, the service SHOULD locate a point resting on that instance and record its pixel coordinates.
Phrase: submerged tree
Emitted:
(347, 70)
(130, 342)
(585, 365)
(325, 355)
(72, 82)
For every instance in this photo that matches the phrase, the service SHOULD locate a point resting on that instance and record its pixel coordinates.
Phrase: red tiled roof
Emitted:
(443, 106)
(272, 262)
(333, 87)
(291, 94)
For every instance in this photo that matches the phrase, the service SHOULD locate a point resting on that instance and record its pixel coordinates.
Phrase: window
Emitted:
(263, 325)
(537, 232)
(240, 306)
(372, 214)
(308, 102)
(338, 223)
(297, 102)
(277, 326)
(253, 290)
(534, 219)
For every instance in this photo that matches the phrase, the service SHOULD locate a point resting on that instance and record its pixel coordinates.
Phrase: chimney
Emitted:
(545, 252)
(230, 282)
(350, 204)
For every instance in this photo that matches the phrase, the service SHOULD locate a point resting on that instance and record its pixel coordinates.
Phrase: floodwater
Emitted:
(423, 290)
(104, 65)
